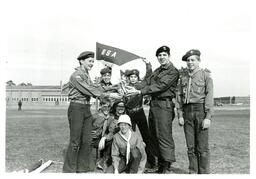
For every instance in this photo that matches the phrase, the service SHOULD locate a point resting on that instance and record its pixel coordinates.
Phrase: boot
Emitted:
(163, 167)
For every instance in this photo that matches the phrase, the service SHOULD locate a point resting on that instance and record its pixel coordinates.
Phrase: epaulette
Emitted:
(182, 70)
(207, 70)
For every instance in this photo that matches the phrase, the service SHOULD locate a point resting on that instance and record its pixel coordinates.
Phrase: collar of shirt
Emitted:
(103, 115)
(194, 72)
(106, 84)
(81, 69)
(165, 67)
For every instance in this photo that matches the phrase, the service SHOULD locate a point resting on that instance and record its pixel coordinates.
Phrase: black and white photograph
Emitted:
(127, 87)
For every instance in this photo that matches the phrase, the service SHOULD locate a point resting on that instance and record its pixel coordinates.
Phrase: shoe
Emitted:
(151, 170)
(163, 167)
(150, 165)
(99, 166)
(169, 166)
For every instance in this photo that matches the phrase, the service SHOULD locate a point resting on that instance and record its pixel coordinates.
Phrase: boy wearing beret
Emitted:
(81, 89)
(106, 76)
(195, 99)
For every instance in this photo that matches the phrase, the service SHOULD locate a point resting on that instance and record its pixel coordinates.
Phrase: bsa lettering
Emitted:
(108, 53)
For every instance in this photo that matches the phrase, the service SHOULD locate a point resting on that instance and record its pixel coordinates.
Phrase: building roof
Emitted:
(33, 87)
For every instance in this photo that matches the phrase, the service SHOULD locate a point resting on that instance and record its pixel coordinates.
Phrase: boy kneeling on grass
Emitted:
(128, 149)
(99, 127)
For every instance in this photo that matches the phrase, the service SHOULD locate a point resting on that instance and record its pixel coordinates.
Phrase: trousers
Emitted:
(77, 159)
(161, 115)
(196, 138)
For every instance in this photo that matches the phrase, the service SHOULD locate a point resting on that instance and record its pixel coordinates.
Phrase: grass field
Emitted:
(34, 134)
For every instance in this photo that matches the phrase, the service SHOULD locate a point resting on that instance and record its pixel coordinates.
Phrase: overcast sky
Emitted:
(45, 37)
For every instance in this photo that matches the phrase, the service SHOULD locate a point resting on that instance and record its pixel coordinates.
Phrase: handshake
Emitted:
(130, 91)
(124, 91)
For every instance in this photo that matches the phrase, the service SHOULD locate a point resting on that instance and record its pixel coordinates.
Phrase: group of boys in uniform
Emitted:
(146, 143)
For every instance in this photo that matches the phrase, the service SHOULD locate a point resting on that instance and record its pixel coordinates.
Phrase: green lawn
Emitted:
(33, 134)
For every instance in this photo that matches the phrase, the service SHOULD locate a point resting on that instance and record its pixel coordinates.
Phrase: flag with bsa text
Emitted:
(114, 55)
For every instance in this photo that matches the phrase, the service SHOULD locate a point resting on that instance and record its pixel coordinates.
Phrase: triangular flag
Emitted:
(114, 55)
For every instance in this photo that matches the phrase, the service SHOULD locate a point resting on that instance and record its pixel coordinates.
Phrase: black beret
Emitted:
(85, 55)
(190, 53)
(127, 72)
(105, 70)
(163, 49)
(134, 72)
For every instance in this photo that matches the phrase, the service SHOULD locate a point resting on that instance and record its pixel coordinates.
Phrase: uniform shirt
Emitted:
(103, 84)
(81, 86)
(111, 128)
(136, 101)
(196, 87)
(119, 148)
(161, 83)
(109, 87)
(99, 124)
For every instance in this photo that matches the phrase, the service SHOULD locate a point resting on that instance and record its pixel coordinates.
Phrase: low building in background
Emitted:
(36, 95)
(236, 100)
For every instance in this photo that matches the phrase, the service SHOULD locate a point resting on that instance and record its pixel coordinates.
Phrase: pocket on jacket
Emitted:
(199, 87)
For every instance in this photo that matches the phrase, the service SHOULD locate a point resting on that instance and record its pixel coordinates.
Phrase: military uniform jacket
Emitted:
(99, 124)
(81, 86)
(196, 87)
(111, 128)
(161, 83)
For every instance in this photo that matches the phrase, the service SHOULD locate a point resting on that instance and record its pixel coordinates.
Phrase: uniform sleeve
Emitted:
(179, 102)
(115, 153)
(209, 97)
(164, 83)
(111, 88)
(141, 147)
(148, 70)
(85, 87)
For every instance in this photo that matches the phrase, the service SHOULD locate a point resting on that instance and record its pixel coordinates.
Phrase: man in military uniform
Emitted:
(161, 85)
(81, 89)
(196, 106)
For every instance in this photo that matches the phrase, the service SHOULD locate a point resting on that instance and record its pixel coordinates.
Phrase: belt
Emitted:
(80, 101)
(133, 110)
(162, 98)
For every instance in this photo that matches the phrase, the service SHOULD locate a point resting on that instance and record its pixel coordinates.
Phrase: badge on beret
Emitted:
(78, 77)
